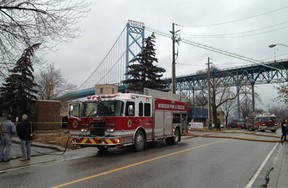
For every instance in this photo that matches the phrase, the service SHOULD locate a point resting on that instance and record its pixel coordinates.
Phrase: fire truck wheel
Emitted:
(102, 148)
(139, 141)
(175, 139)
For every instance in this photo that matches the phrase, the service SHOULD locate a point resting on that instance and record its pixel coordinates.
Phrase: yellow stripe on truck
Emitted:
(109, 141)
(92, 140)
(84, 140)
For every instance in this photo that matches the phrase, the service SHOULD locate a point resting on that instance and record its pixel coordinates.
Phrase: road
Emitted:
(195, 162)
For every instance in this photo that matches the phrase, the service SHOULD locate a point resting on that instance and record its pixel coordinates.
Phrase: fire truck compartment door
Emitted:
(163, 122)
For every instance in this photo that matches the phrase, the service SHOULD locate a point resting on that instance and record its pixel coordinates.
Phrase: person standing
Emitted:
(284, 129)
(8, 129)
(24, 131)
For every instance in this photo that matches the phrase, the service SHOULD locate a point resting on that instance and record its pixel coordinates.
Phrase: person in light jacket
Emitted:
(8, 129)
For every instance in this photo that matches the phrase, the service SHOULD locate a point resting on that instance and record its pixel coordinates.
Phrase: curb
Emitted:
(280, 168)
(231, 137)
(50, 146)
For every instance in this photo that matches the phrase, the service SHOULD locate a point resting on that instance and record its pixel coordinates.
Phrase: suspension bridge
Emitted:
(112, 69)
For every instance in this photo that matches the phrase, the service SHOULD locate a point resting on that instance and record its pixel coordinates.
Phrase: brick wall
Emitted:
(47, 115)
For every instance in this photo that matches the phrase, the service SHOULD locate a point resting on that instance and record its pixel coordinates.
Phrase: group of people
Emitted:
(24, 131)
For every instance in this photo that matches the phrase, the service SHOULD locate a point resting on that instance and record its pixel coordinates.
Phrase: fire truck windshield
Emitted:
(89, 109)
(110, 108)
(262, 119)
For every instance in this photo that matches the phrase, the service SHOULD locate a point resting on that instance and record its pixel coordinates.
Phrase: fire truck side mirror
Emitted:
(130, 110)
(71, 108)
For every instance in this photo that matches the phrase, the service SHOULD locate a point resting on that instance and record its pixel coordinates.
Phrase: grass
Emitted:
(55, 137)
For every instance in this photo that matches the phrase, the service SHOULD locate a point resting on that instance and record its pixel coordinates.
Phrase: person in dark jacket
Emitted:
(284, 129)
(24, 131)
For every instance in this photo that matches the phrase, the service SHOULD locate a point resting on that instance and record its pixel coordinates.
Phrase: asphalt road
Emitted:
(195, 162)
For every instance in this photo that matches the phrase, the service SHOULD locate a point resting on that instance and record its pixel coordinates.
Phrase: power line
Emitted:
(237, 20)
(216, 50)
(240, 34)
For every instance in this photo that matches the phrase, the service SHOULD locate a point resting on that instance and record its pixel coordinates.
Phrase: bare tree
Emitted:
(52, 84)
(220, 94)
(201, 98)
(280, 112)
(26, 22)
(222, 97)
(282, 91)
(246, 102)
(227, 107)
(220, 91)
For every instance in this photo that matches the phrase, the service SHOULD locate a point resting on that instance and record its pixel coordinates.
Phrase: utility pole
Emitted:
(173, 59)
(253, 97)
(174, 54)
(209, 96)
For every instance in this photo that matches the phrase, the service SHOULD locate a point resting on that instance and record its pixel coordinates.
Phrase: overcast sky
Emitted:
(245, 27)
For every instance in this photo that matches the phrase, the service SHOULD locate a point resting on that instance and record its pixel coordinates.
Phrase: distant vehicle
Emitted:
(266, 121)
(236, 124)
(232, 124)
(262, 122)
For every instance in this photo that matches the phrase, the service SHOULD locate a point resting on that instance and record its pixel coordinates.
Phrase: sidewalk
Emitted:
(55, 155)
(279, 177)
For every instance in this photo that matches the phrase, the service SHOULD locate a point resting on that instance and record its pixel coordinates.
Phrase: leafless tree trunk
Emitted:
(221, 94)
(228, 107)
(26, 22)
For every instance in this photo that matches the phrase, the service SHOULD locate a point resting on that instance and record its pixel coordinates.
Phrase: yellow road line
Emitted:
(135, 164)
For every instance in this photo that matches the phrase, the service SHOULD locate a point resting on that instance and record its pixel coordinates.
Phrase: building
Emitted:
(105, 89)
(46, 115)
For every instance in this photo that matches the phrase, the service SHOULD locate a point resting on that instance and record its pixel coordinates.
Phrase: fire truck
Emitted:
(266, 121)
(262, 122)
(127, 119)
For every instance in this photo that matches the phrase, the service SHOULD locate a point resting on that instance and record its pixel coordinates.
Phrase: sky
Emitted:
(244, 27)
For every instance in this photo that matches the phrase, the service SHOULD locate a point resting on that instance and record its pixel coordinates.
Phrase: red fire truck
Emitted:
(125, 119)
(262, 122)
(266, 121)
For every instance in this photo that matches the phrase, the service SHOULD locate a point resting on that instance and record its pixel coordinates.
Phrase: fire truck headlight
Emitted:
(110, 128)
(117, 140)
(84, 128)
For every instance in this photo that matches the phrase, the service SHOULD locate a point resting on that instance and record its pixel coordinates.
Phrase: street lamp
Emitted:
(273, 45)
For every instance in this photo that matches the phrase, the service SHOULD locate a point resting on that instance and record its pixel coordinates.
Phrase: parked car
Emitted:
(236, 124)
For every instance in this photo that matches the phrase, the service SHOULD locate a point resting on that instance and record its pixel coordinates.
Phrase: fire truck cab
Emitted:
(125, 119)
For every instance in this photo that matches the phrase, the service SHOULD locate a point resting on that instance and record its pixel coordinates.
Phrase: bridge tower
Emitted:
(134, 41)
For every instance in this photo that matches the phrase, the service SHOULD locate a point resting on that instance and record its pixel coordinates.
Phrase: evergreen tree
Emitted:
(18, 93)
(142, 71)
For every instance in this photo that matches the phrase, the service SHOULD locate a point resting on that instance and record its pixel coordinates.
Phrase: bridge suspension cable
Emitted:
(112, 62)
(216, 50)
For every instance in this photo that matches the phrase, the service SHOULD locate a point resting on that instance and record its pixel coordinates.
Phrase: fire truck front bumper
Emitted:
(272, 128)
(262, 128)
(96, 141)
